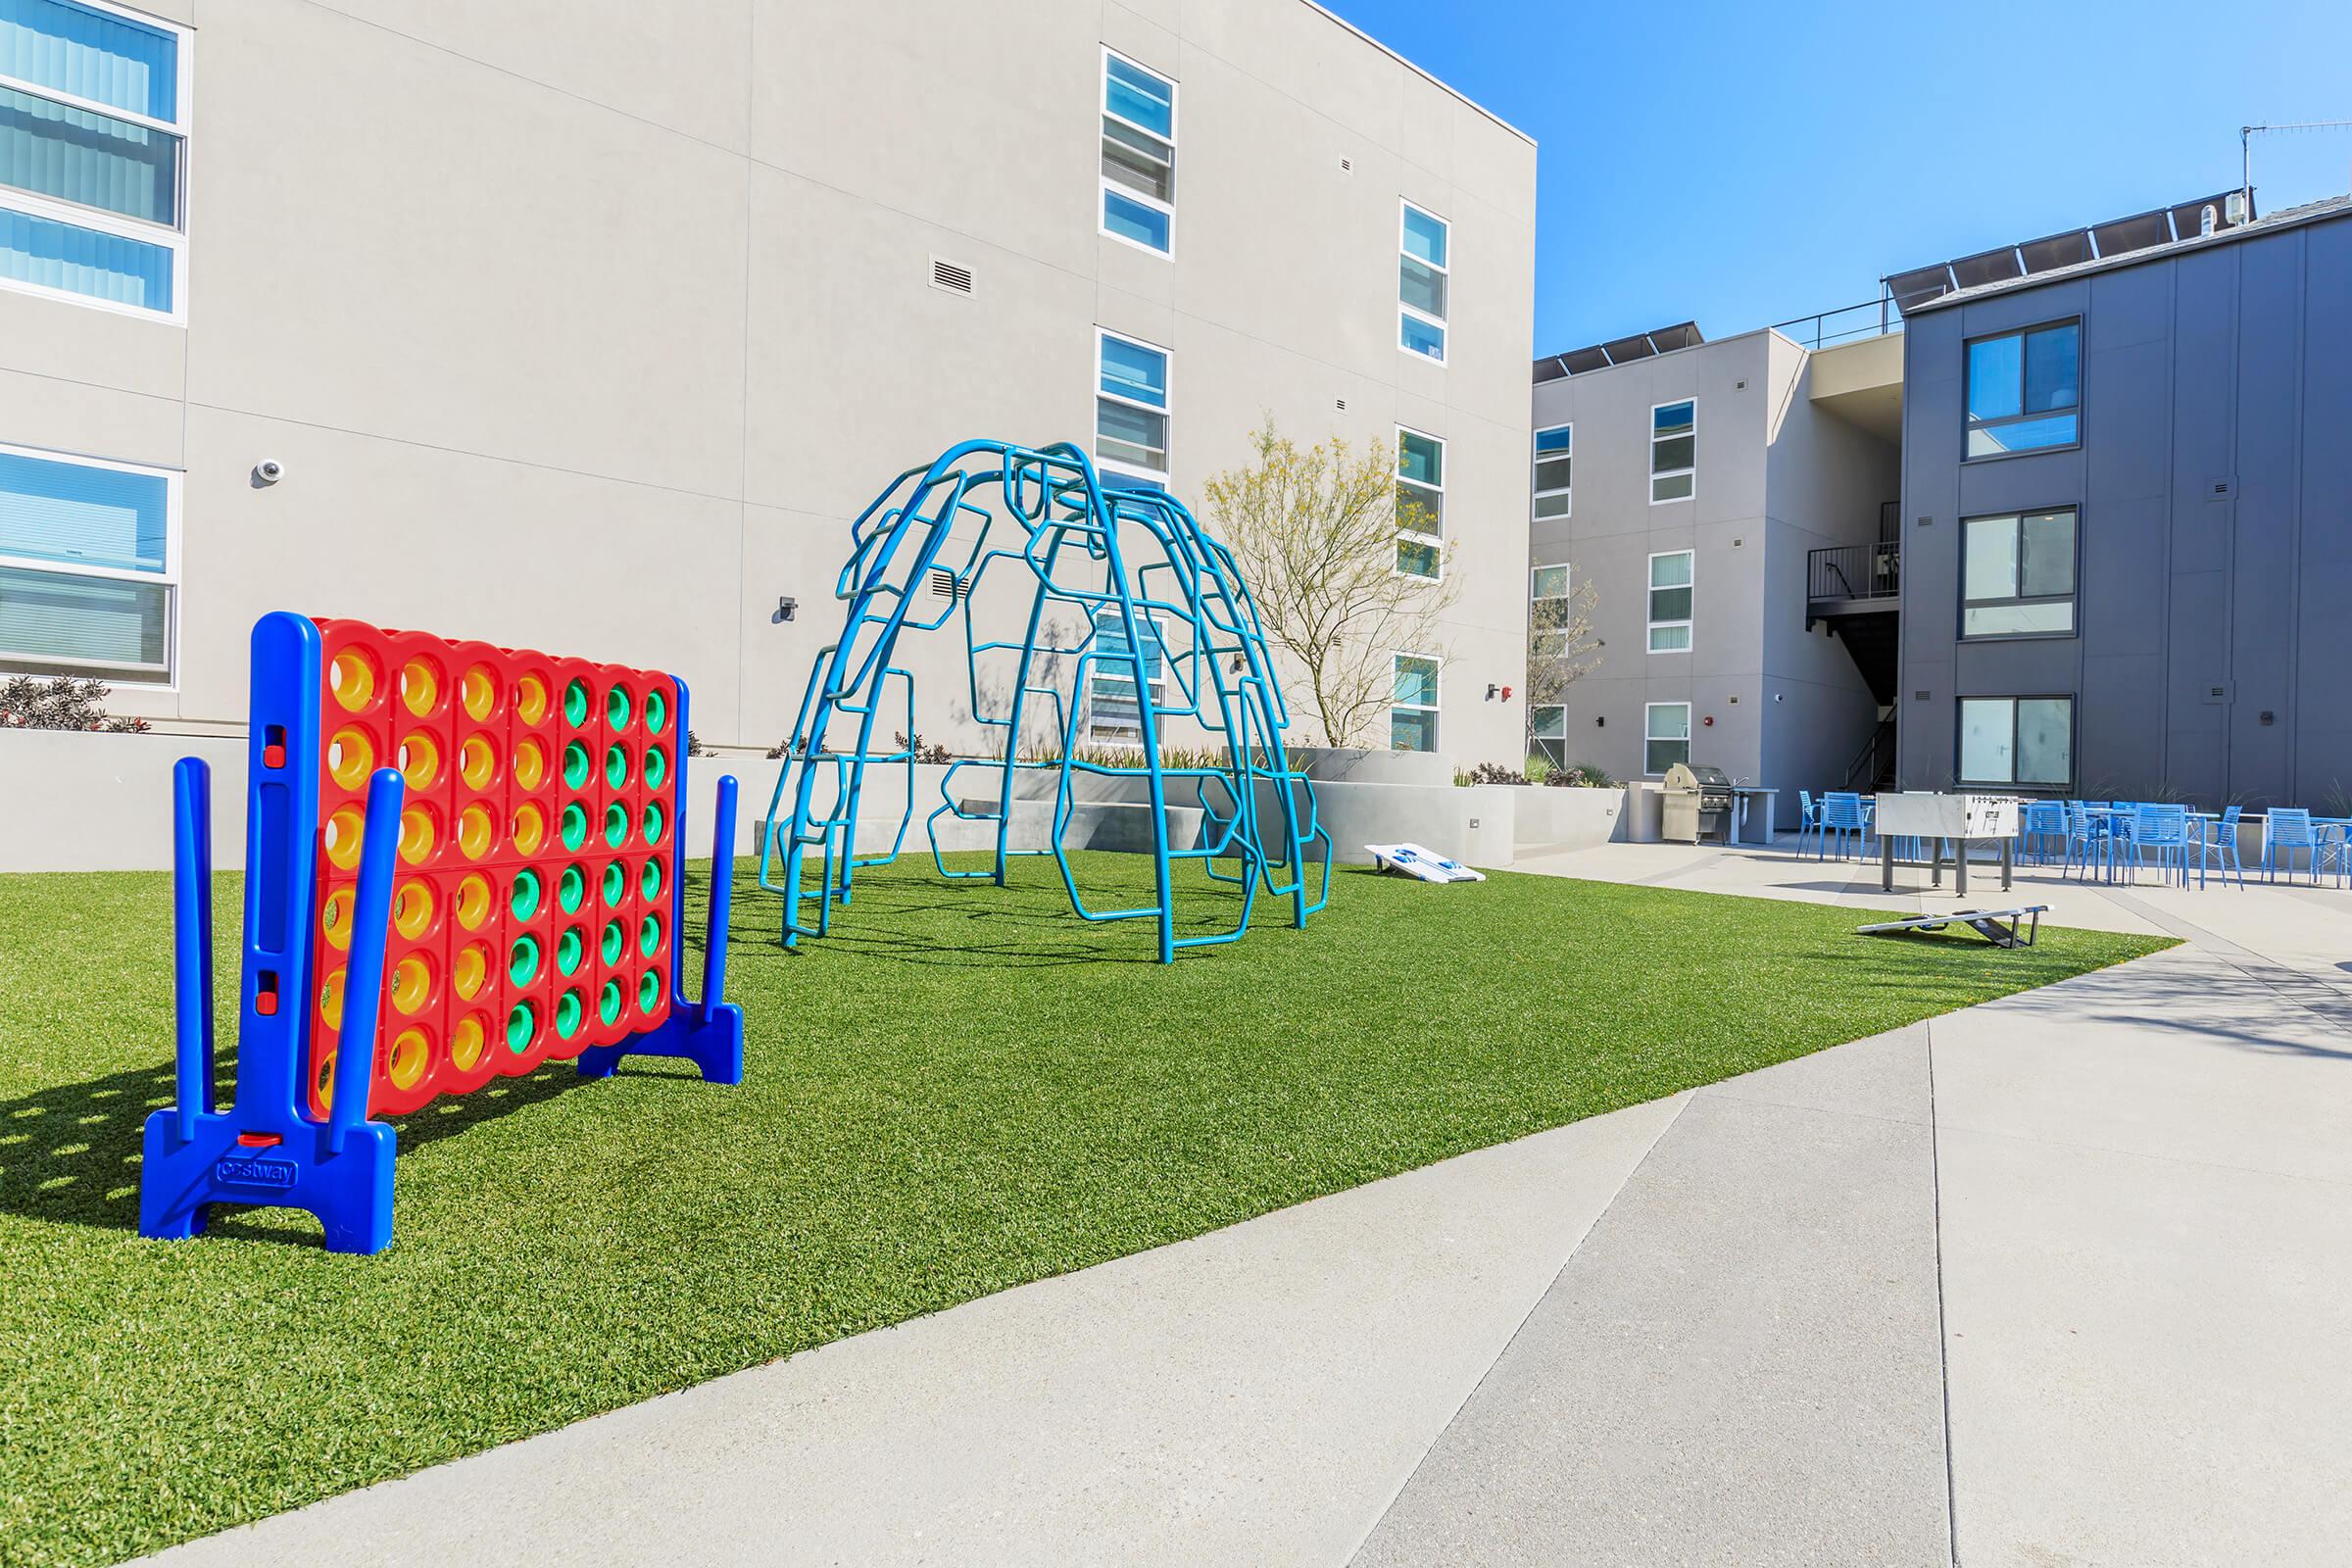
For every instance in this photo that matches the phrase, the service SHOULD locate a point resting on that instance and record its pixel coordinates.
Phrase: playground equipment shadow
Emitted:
(963, 1088)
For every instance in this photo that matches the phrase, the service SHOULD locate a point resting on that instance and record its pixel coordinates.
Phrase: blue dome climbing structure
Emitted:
(1167, 620)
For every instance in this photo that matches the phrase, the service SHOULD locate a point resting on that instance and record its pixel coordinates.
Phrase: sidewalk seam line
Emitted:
(1943, 1327)
(1389, 1505)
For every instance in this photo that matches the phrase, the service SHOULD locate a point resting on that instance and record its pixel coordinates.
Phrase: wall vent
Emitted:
(2220, 489)
(953, 276)
(1347, 166)
(1339, 403)
(947, 585)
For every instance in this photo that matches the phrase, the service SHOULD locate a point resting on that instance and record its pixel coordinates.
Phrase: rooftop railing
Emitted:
(1871, 319)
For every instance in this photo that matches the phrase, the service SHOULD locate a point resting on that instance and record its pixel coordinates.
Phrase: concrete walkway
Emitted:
(2065, 1279)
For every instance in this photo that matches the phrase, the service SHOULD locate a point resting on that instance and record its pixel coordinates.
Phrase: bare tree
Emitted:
(1560, 647)
(1315, 532)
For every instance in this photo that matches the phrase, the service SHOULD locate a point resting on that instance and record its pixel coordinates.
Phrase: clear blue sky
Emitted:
(1742, 164)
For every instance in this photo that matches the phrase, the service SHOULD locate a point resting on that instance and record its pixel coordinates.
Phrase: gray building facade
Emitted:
(2126, 504)
(1705, 478)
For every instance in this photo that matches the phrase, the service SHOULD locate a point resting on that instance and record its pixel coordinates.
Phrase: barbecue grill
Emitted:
(1697, 804)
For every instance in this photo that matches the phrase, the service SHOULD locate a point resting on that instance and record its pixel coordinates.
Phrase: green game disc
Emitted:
(607, 1004)
(570, 948)
(649, 881)
(617, 765)
(657, 711)
(656, 767)
(522, 961)
(523, 897)
(567, 1015)
(573, 886)
(616, 824)
(521, 1024)
(616, 883)
(615, 941)
(655, 819)
(573, 826)
(576, 766)
(576, 704)
(648, 934)
(649, 992)
(616, 707)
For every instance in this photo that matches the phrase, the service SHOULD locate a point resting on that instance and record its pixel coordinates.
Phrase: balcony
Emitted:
(1849, 579)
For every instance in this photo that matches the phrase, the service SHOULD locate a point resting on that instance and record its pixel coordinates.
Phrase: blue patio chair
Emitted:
(2165, 830)
(2288, 828)
(1808, 819)
(2220, 849)
(1841, 815)
(2042, 826)
(2334, 852)
(2088, 843)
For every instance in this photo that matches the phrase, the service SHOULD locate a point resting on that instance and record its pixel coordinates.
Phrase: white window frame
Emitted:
(1650, 587)
(1535, 467)
(174, 238)
(1436, 540)
(1672, 473)
(1157, 686)
(1534, 597)
(1105, 184)
(1434, 707)
(169, 579)
(1537, 741)
(1168, 413)
(1648, 739)
(1405, 311)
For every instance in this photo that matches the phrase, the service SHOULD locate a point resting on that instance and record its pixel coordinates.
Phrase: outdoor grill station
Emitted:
(1701, 801)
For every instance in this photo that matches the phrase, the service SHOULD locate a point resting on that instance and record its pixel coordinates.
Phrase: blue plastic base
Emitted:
(715, 1044)
(350, 1192)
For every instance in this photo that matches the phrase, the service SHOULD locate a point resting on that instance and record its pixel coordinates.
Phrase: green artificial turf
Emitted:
(964, 1088)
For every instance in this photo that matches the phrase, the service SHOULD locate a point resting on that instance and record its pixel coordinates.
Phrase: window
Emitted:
(1550, 612)
(1665, 735)
(1547, 732)
(1131, 408)
(2017, 576)
(1139, 155)
(1420, 504)
(1673, 451)
(2027, 740)
(1413, 711)
(1669, 603)
(89, 566)
(94, 155)
(1552, 493)
(1421, 284)
(1112, 711)
(2024, 390)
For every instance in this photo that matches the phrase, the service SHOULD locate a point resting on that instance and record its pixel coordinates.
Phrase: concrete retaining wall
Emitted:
(103, 802)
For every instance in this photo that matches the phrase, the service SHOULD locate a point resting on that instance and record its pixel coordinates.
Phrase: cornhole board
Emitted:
(1961, 821)
(1986, 923)
(1415, 861)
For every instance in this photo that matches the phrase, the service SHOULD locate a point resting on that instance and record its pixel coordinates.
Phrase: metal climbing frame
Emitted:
(1161, 601)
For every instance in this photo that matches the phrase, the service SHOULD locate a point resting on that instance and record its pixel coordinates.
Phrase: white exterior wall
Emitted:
(589, 325)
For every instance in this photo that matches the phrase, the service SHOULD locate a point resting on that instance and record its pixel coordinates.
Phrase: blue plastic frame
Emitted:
(266, 1151)
(1093, 549)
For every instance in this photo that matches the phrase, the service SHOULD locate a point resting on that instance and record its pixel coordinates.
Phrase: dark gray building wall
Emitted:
(2214, 494)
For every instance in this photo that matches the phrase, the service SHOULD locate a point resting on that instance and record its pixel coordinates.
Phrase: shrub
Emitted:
(26, 702)
(913, 745)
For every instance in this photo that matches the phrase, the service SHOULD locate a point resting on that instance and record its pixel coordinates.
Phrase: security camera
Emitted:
(268, 470)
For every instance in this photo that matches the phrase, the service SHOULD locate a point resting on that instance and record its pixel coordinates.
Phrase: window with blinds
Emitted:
(94, 155)
(90, 567)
